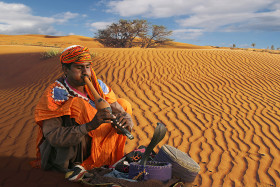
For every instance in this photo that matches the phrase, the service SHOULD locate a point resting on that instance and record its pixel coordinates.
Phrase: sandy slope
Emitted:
(220, 106)
(45, 40)
(65, 41)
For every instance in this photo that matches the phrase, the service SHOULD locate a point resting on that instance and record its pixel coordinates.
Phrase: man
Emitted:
(72, 132)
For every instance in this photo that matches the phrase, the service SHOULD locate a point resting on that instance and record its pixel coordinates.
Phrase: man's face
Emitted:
(76, 72)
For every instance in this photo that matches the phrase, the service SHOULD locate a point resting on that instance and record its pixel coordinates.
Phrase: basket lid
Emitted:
(181, 158)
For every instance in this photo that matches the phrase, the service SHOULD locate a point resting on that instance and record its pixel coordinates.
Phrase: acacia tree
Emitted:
(116, 34)
(138, 28)
(124, 33)
(158, 37)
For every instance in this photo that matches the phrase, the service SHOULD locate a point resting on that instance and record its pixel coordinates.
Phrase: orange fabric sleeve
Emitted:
(126, 105)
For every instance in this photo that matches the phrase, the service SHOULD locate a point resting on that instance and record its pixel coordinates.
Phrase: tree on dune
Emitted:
(158, 36)
(123, 33)
(253, 45)
(133, 33)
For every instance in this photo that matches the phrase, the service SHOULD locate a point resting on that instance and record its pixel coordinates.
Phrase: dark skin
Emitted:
(75, 77)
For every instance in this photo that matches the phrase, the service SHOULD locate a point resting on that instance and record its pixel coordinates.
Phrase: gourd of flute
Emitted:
(100, 103)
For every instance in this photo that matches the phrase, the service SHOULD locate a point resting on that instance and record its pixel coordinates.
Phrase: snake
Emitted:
(158, 135)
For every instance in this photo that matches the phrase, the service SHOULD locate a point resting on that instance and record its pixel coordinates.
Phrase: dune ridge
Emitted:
(221, 107)
(65, 41)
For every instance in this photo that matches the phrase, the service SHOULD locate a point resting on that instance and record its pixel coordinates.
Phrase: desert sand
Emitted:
(220, 106)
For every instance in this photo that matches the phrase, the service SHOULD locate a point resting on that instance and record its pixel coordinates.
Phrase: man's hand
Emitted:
(125, 121)
(102, 116)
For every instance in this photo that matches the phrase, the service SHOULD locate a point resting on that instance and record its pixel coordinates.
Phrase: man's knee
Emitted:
(125, 104)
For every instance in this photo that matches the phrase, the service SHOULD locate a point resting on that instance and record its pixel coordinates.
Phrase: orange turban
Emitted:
(75, 53)
(79, 54)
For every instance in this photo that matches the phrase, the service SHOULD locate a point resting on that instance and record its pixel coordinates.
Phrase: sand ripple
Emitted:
(220, 106)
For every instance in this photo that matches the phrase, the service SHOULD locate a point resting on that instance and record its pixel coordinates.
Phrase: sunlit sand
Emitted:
(220, 106)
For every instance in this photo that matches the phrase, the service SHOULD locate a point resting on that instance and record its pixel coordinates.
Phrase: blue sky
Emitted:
(200, 22)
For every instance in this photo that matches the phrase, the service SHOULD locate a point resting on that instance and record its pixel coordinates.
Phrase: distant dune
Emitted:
(65, 41)
(51, 41)
(220, 106)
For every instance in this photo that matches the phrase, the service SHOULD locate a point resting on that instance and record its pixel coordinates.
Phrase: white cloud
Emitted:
(244, 21)
(99, 25)
(188, 34)
(155, 8)
(167, 8)
(210, 15)
(214, 21)
(18, 19)
(265, 21)
(65, 16)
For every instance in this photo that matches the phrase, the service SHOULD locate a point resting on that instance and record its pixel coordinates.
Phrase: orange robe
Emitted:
(107, 146)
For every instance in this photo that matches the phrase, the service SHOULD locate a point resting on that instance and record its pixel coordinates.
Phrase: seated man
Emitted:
(71, 130)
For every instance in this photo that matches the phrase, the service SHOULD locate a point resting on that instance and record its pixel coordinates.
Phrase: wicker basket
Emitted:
(183, 166)
(153, 170)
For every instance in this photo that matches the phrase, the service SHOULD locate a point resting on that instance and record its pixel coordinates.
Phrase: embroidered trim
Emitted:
(61, 87)
(74, 90)
(69, 92)
(75, 93)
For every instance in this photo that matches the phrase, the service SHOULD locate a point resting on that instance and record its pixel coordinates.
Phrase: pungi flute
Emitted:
(100, 103)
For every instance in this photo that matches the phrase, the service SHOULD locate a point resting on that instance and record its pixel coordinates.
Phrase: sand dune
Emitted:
(50, 41)
(65, 41)
(220, 106)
